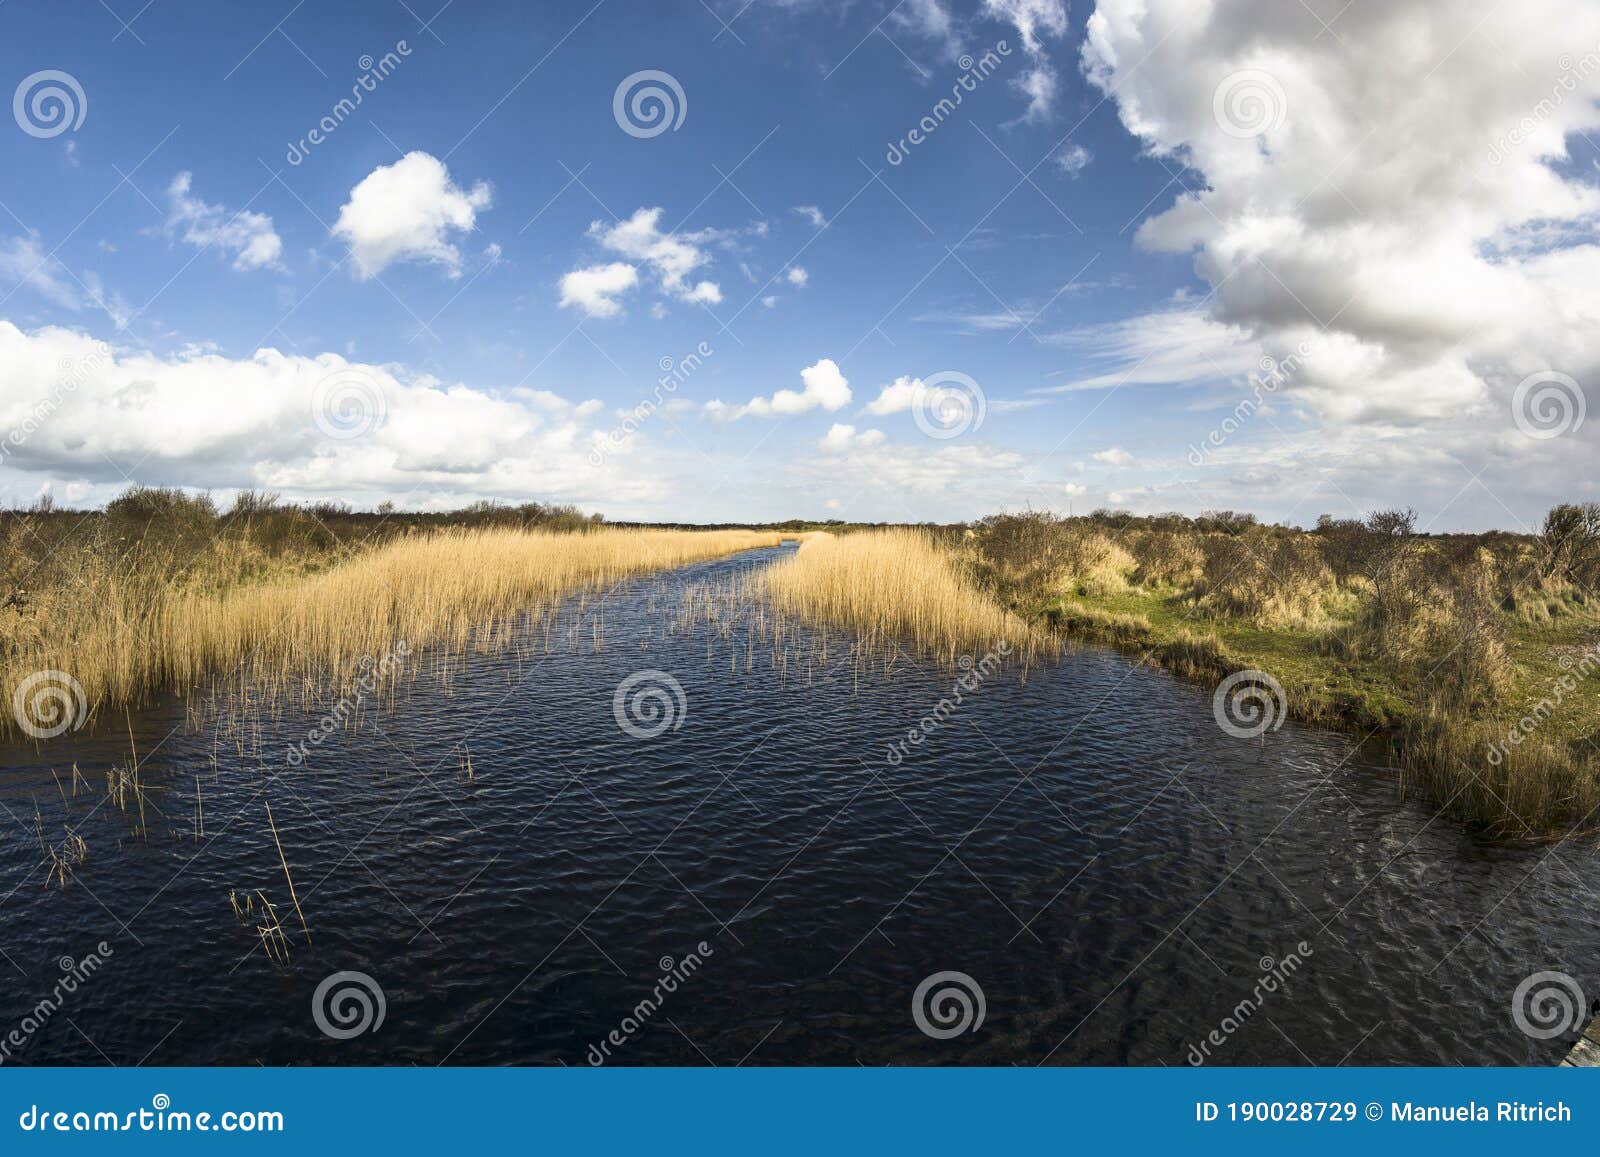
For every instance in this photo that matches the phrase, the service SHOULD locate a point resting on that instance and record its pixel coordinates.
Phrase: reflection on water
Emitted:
(769, 876)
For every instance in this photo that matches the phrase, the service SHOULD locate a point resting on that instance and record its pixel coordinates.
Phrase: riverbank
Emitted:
(1472, 657)
(160, 594)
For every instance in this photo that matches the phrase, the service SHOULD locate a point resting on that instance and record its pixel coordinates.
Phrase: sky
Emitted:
(738, 260)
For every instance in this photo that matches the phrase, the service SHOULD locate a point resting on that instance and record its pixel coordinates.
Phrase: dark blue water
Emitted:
(1111, 870)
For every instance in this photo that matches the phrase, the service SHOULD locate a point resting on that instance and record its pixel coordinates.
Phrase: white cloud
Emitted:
(1423, 241)
(895, 398)
(672, 257)
(972, 476)
(25, 263)
(1037, 86)
(1114, 456)
(248, 236)
(825, 388)
(408, 211)
(204, 420)
(929, 19)
(1036, 21)
(841, 437)
(770, 300)
(812, 214)
(796, 276)
(1073, 159)
(595, 290)
(1181, 345)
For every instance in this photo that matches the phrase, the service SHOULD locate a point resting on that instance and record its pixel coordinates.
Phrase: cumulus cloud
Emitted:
(273, 420)
(408, 211)
(249, 236)
(1423, 241)
(897, 397)
(796, 276)
(595, 290)
(1114, 456)
(825, 388)
(672, 257)
(841, 437)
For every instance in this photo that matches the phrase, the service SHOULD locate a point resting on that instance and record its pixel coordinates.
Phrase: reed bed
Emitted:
(894, 587)
(123, 643)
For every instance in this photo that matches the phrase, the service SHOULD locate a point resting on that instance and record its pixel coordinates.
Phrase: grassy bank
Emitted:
(1476, 656)
(160, 593)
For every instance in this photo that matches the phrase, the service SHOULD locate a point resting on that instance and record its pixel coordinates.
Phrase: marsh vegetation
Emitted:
(1478, 656)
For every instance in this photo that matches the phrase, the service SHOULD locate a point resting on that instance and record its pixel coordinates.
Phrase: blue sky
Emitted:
(1063, 237)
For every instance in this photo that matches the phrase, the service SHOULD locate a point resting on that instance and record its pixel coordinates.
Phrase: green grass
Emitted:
(1546, 791)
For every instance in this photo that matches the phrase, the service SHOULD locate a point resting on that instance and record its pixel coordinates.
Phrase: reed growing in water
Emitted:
(894, 587)
(127, 632)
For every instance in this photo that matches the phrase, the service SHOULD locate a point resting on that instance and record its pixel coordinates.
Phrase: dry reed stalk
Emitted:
(284, 860)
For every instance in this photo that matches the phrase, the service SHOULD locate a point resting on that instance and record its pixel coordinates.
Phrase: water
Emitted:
(1103, 862)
